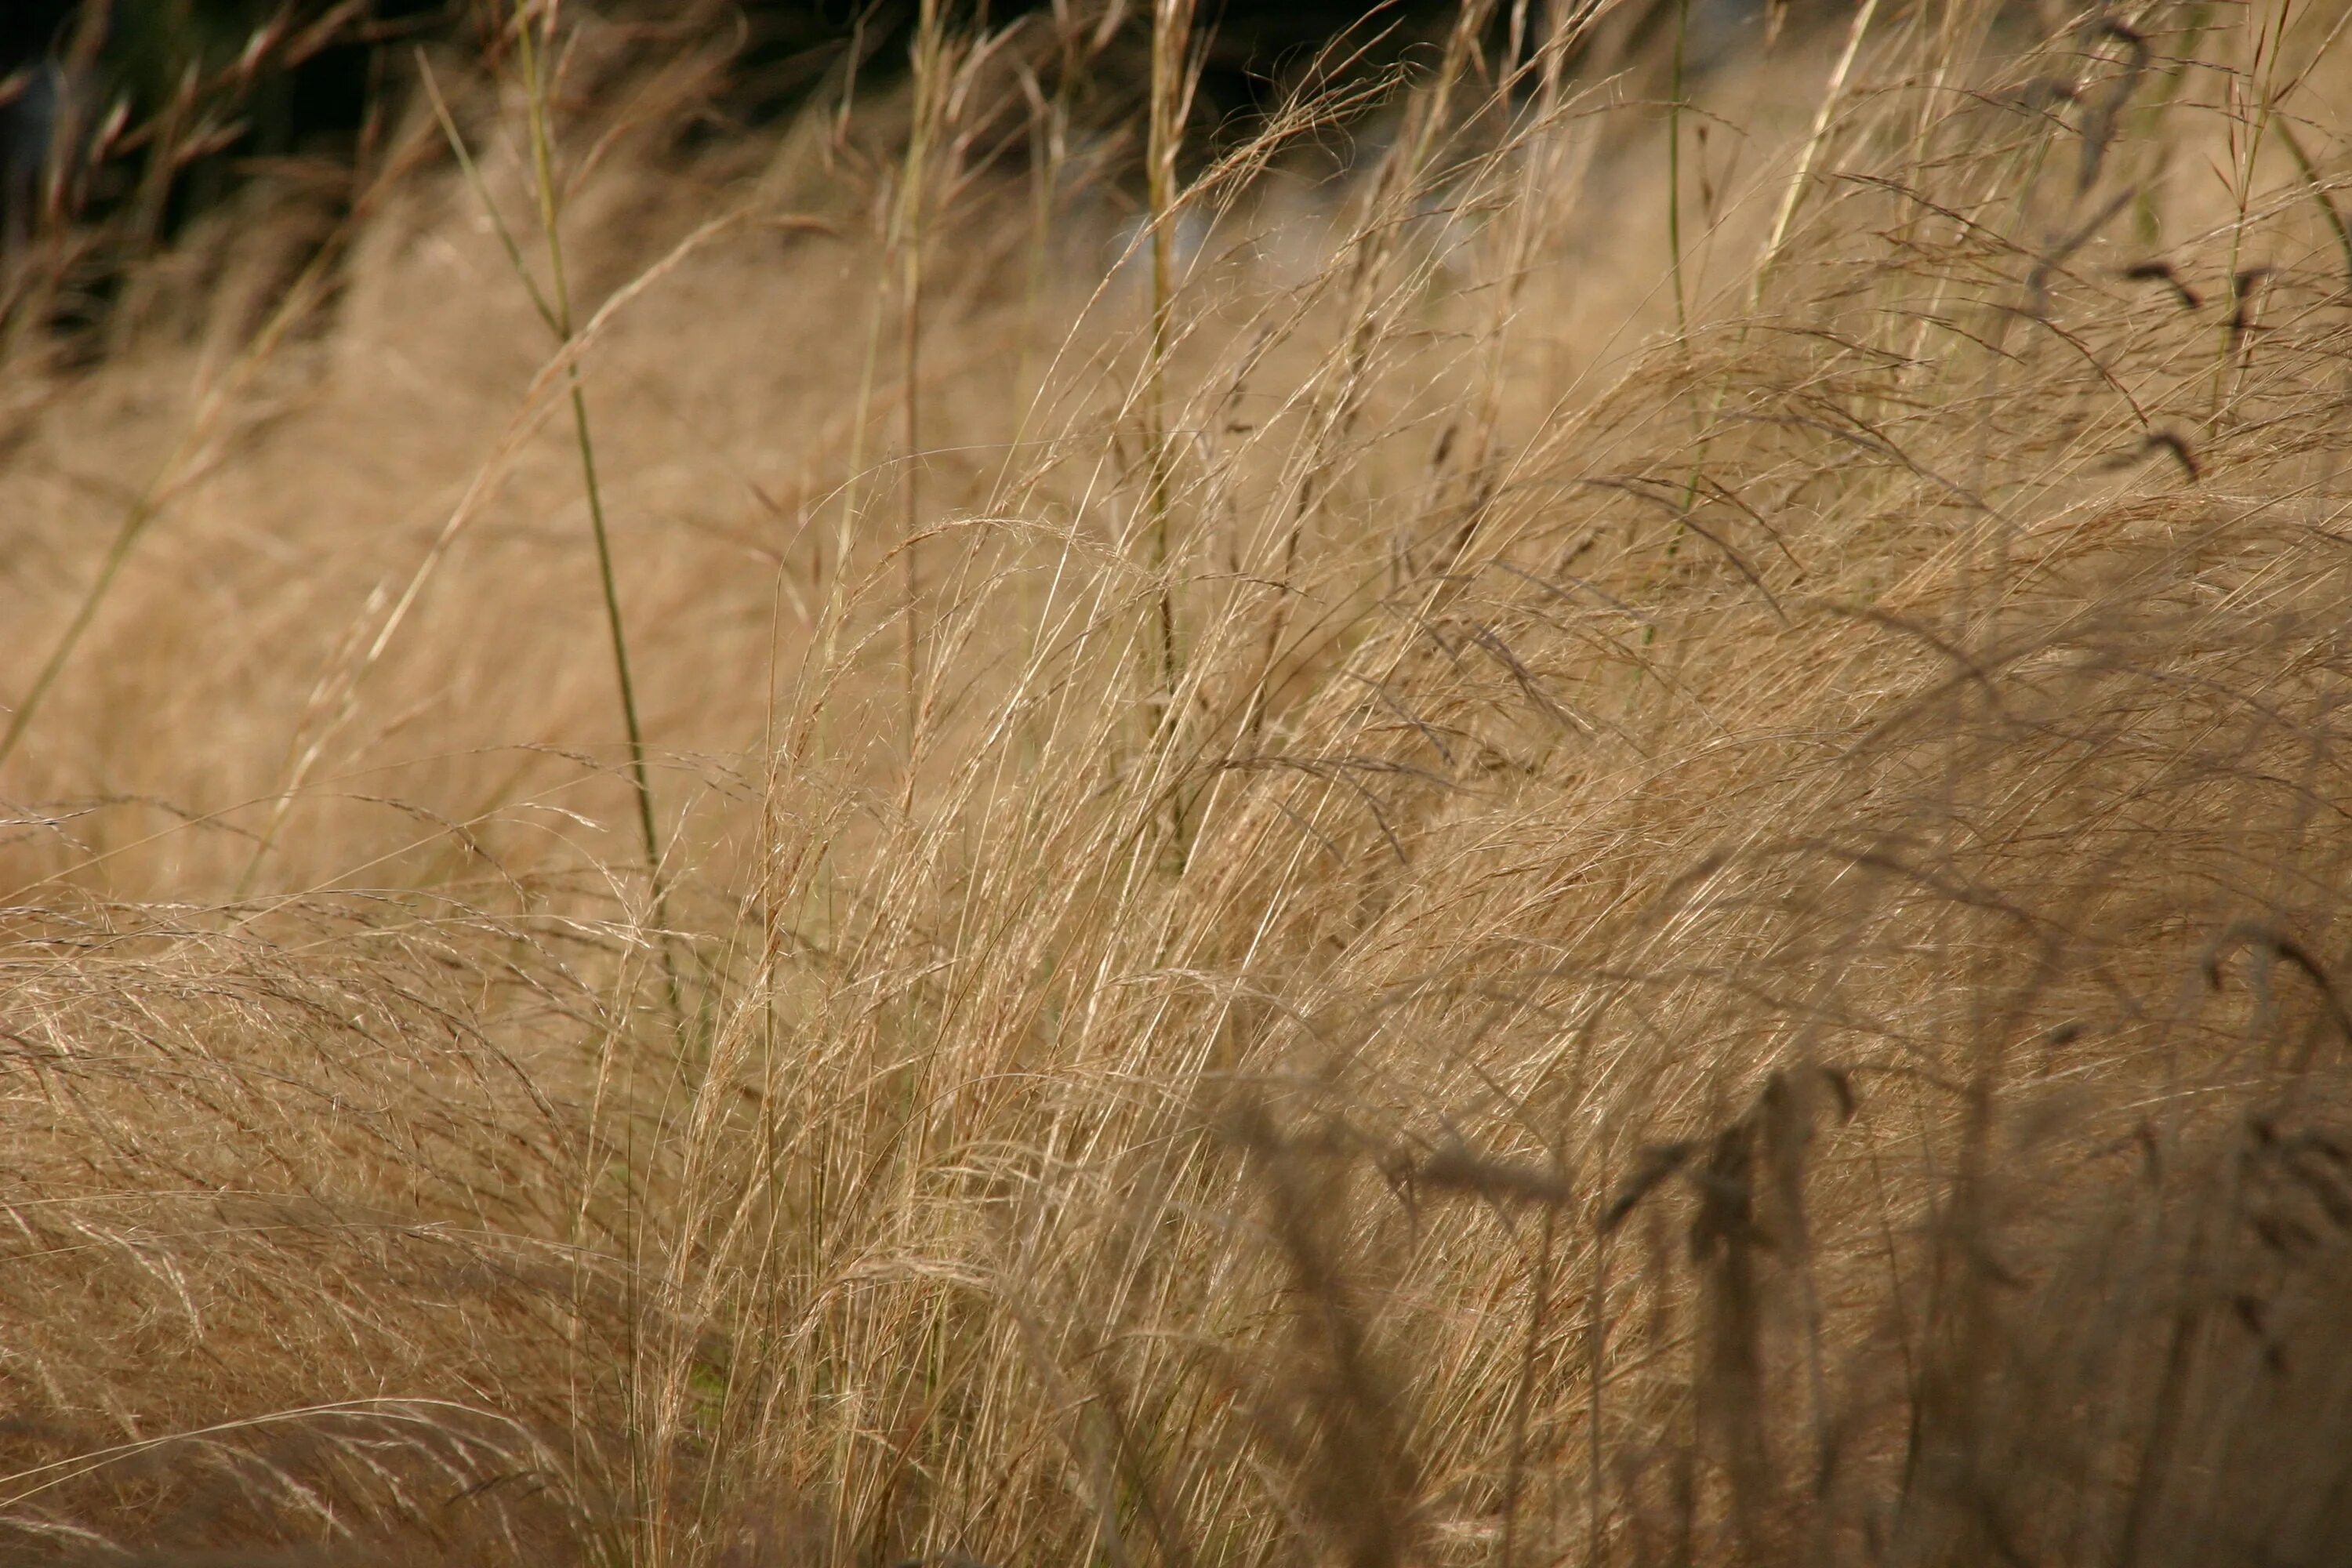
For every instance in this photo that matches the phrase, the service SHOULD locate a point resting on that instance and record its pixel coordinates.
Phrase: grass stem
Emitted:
(1171, 42)
(1675, 168)
(557, 301)
(931, 61)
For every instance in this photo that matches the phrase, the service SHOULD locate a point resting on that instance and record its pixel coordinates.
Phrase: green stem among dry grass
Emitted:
(538, 92)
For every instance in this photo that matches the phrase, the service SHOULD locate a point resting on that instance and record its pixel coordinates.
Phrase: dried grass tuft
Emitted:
(1479, 927)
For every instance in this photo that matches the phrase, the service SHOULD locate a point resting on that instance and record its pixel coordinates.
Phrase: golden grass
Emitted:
(1726, 947)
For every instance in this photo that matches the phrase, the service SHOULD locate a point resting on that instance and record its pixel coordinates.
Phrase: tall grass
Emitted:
(534, 35)
(1768, 993)
(1170, 107)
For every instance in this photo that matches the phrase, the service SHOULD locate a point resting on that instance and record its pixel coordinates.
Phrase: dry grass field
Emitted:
(1427, 838)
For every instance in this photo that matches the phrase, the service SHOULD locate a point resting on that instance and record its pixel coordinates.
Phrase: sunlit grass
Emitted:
(1524, 881)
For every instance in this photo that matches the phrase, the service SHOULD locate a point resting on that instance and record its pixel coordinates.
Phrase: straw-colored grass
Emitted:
(1480, 932)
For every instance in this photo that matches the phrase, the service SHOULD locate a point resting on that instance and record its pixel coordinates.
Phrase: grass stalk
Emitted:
(1675, 168)
(538, 89)
(1048, 143)
(2317, 187)
(1172, 43)
(845, 535)
(931, 61)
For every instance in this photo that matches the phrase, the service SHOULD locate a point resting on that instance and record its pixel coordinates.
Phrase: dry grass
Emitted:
(1480, 932)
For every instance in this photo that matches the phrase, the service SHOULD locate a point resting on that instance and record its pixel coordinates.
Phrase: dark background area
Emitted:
(190, 98)
(312, 86)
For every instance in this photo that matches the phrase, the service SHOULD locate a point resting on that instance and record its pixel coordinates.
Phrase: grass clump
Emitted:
(1723, 942)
